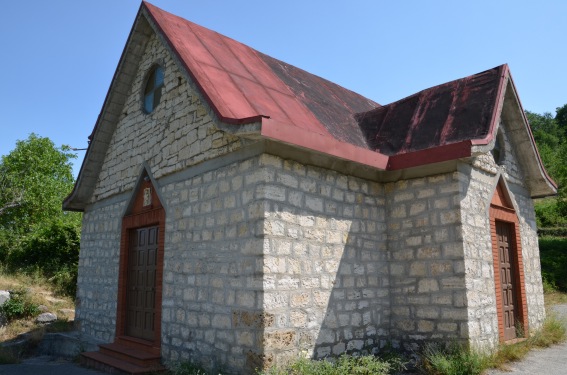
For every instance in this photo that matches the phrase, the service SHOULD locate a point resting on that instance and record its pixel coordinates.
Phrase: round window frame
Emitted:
(147, 76)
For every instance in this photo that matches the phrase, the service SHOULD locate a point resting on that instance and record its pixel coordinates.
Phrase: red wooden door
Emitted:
(141, 283)
(508, 281)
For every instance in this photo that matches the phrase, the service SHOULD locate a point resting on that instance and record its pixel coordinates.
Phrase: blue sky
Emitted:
(58, 57)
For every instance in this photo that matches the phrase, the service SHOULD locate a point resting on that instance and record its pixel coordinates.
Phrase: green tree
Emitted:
(548, 138)
(561, 118)
(550, 134)
(35, 177)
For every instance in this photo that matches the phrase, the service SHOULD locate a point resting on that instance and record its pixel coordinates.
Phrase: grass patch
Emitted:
(19, 306)
(554, 297)
(454, 360)
(34, 291)
(363, 365)
(391, 363)
(186, 368)
(552, 332)
(458, 360)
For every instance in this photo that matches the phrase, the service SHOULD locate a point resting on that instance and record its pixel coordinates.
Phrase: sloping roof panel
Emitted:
(295, 107)
(449, 113)
(225, 69)
(330, 103)
(230, 74)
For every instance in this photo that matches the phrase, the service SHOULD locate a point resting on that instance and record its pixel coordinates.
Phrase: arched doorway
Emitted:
(508, 266)
(141, 269)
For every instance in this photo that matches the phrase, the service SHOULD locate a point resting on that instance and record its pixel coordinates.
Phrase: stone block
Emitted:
(428, 252)
(424, 326)
(278, 340)
(427, 286)
(447, 327)
(299, 300)
(426, 312)
(314, 204)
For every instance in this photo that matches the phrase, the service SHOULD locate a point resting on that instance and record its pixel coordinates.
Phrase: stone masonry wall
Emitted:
(528, 229)
(478, 181)
(267, 259)
(212, 301)
(477, 188)
(325, 263)
(98, 270)
(428, 296)
(179, 133)
(531, 257)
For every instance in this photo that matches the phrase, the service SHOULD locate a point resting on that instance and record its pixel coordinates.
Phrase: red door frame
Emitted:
(501, 209)
(139, 216)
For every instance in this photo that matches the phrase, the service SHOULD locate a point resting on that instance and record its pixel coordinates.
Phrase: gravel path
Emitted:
(549, 361)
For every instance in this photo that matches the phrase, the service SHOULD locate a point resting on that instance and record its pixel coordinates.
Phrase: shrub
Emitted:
(552, 332)
(552, 232)
(186, 368)
(553, 257)
(454, 360)
(53, 252)
(19, 306)
(363, 365)
(65, 281)
(550, 212)
(52, 248)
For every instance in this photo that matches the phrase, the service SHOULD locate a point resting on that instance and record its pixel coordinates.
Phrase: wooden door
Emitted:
(504, 232)
(141, 283)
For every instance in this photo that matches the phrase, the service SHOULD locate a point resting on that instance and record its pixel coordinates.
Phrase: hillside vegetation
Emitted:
(550, 134)
(36, 237)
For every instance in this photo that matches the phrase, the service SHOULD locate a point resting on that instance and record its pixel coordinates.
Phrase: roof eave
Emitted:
(544, 185)
(116, 94)
(321, 143)
(497, 112)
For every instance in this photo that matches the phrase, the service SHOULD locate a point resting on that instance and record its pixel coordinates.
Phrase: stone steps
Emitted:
(117, 358)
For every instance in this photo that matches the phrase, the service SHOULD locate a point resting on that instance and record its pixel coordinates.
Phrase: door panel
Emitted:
(508, 280)
(141, 283)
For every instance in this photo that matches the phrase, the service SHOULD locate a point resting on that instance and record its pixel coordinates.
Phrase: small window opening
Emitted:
(498, 150)
(152, 92)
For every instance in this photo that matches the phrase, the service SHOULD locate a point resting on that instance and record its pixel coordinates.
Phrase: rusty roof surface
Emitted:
(450, 113)
(333, 105)
(295, 107)
(245, 86)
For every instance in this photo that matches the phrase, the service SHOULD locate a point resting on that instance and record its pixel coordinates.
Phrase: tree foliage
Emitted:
(550, 134)
(36, 177)
(35, 233)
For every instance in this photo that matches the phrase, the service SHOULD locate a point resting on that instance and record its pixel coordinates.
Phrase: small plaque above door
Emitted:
(147, 197)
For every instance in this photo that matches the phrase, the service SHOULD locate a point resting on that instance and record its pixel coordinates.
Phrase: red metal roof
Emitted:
(461, 110)
(243, 85)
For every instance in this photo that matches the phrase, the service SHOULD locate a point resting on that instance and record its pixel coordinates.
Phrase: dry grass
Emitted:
(40, 293)
(554, 298)
(460, 361)
(552, 332)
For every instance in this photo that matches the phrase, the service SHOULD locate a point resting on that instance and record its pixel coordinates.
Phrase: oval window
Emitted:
(152, 92)
(498, 150)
